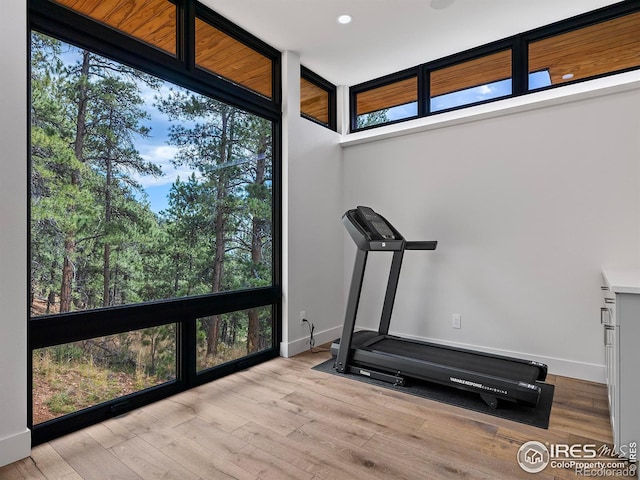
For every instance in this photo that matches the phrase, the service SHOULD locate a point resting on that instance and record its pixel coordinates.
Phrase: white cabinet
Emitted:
(620, 317)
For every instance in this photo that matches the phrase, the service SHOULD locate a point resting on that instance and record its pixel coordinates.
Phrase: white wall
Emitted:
(15, 438)
(527, 208)
(312, 236)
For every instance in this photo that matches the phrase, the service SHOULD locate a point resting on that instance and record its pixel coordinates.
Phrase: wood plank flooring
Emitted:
(282, 420)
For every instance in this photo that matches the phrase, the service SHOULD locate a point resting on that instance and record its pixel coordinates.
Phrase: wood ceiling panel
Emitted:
(479, 71)
(602, 48)
(227, 57)
(314, 101)
(152, 21)
(387, 96)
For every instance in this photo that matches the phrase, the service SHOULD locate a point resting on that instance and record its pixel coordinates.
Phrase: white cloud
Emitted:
(149, 94)
(484, 89)
(161, 155)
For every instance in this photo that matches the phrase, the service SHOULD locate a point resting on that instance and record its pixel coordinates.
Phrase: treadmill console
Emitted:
(376, 227)
(371, 231)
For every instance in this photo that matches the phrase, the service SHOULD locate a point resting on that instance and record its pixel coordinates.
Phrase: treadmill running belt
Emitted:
(491, 366)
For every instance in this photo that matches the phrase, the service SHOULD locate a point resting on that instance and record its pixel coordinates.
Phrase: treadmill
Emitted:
(391, 358)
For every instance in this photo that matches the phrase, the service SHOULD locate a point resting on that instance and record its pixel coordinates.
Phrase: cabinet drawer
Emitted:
(608, 309)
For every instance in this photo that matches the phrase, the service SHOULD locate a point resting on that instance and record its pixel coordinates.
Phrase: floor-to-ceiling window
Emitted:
(154, 205)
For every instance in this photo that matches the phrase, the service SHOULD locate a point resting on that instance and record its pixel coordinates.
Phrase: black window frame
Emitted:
(519, 45)
(219, 22)
(422, 82)
(60, 22)
(459, 58)
(331, 90)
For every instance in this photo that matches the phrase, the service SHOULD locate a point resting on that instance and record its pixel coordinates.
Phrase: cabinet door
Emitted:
(610, 338)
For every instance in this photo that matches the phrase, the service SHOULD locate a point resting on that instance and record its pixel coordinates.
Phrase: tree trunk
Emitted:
(222, 184)
(105, 272)
(69, 241)
(51, 300)
(176, 276)
(81, 116)
(213, 332)
(253, 337)
(67, 273)
(218, 265)
(253, 327)
(106, 265)
(154, 348)
(220, 224)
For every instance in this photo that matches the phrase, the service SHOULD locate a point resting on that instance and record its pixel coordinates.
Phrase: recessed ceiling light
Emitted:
(344, 19)
(567, 76)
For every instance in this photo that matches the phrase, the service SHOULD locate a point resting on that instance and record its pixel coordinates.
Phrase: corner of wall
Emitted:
(290, 110)
(312, 233)
(342, 108)
(15, 438)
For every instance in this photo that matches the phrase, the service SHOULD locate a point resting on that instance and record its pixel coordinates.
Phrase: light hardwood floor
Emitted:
(282, 420)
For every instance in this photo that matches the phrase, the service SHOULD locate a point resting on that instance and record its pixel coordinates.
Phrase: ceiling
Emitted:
(386, 36)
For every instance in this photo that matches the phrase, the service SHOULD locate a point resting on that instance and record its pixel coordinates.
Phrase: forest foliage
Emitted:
(97, 242)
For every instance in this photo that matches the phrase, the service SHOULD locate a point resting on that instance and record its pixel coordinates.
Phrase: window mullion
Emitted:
(519, 65)
(424, 91)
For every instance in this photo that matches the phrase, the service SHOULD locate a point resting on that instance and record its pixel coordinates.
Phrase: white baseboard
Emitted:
(302, 344)
(557, 366)
(15, 447)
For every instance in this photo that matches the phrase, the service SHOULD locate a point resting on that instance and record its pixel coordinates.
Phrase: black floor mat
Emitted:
(537, 416)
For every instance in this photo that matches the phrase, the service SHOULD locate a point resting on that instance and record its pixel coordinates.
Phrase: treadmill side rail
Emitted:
(542, 376)
(503, 388)
(396, 379)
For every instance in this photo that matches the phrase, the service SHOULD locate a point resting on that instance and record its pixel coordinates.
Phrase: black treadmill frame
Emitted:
(364, 359)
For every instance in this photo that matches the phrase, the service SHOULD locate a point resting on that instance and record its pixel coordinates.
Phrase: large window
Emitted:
(141, 190)
(154, 238)
(603, 42)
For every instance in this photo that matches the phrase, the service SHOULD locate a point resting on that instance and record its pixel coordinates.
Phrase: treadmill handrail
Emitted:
(420, 245)
(365, 241)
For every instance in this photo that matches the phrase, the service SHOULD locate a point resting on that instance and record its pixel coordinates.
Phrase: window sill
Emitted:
(556, 96)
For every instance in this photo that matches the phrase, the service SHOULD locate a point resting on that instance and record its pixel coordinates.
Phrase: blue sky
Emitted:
(469, 95)
(154, 148)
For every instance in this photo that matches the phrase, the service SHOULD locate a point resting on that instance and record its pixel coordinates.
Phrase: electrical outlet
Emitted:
(456, 320)
(303, 316)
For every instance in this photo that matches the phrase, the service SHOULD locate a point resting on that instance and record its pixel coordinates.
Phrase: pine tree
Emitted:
(84, 119)
(210, 148)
